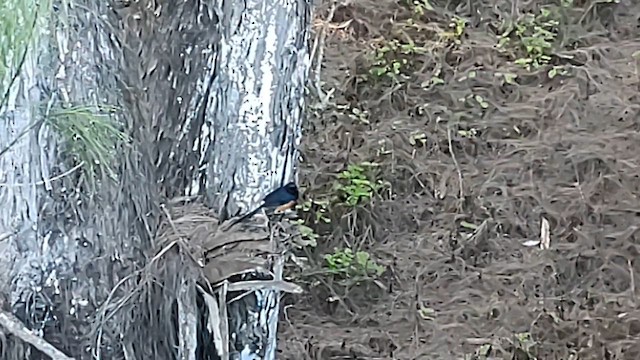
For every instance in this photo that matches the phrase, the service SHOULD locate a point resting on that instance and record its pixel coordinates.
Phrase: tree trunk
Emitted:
(78, 225)
(255, 120)
(210, 98)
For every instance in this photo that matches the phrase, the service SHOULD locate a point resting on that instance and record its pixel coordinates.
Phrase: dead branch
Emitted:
(15, 327)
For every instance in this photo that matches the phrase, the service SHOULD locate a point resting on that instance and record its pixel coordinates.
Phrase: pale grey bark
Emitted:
(254, 118)
(256, 100)
(73, 242)
(23, 164)
(212, 95)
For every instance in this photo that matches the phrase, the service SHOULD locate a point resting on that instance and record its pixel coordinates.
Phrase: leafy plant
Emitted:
(457, 25)
(526, 344)
(394, 58)
(319, 207)
(355, 186)
(523, 348)
(533, 37)
(347, 264)
(507, 78)
(89, 135)
(420, 7)
(555, 71)
(308, 236)
(480, 101)
(418, 138)
(359, 115)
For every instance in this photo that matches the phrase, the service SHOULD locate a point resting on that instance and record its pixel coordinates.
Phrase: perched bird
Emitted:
(281, 199)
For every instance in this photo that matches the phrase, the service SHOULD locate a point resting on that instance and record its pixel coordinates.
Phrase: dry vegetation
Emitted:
(449, 139)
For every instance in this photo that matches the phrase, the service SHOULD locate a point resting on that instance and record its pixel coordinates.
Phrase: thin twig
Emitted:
(14, 326)
(253, 285)
(455, 162)
(103, 316)
(575, 169)
(42, 182)
(632, 280)
(318, 46)
(17, 138)
(224, 318)
(5, 97)
(293, 329)
(181, 240)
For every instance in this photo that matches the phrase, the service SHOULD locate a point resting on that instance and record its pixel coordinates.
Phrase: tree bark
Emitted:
(211, 96)
(254, 121)
(76, 234)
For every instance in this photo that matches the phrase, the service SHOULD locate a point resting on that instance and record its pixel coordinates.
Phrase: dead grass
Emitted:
(477, 150)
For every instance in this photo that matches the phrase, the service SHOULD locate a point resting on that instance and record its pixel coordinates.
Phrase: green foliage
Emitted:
(359, 115)
(394, 59)
(418, 137)
(523, 348)
(457, 25)
(349, 265)
(525, 344)
(476, 99)
(532, 36)
(320, 209)
(308, 236)
(507, 78)
(355, 186)
(420, 7)
(89, 135)
(344, 266)
(17, 26)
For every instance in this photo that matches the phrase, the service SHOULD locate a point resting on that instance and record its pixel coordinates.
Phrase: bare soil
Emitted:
(477, 163)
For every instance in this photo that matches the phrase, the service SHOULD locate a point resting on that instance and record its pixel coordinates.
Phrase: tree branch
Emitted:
(15, 327)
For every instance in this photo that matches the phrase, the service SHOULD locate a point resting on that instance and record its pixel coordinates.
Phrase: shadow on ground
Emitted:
(480, 153)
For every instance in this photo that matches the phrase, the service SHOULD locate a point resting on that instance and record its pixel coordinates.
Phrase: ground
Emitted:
(479, 159)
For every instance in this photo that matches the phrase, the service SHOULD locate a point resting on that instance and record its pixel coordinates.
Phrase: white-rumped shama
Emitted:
(281, 199)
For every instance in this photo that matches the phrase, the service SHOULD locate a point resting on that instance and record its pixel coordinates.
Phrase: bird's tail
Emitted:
(245, 216)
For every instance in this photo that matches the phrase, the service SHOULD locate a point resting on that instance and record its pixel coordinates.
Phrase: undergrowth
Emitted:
(424, 43)
(337, 270)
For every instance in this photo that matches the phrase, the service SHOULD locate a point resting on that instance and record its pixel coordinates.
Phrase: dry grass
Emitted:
(477, 150)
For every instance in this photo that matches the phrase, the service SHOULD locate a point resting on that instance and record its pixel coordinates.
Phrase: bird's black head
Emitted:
(292, 189)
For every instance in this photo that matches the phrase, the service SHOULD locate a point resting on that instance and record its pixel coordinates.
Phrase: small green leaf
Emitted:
(510, 78)
(427, 313)
(378, 71)
(467, 225)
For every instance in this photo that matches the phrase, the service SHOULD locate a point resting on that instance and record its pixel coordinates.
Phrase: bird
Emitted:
(282, 199)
